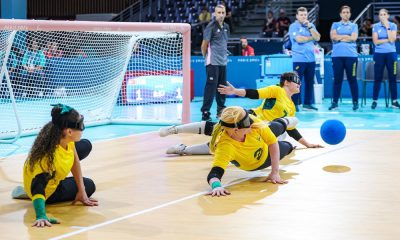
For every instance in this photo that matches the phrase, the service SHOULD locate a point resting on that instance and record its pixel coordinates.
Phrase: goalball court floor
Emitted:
(345, 191)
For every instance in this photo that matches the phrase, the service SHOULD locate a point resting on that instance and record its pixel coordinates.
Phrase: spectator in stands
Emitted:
(269, 25)
(52, 51)
(366, 28)
(344, 56)
(228, 17)
(247, 50)
(303, 36)
(385, 55)
(205, 16)
(34, 59)
(214, 49)
(33, 64)
(282, 23)
(15, 65)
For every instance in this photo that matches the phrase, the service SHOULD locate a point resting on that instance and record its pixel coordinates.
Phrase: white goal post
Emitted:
(110, 72)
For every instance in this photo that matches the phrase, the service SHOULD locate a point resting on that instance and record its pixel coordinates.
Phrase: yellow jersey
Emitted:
(276, 104)
(247, 155)
(63, 162)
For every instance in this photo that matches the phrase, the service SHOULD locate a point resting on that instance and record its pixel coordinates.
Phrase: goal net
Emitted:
(109, 72)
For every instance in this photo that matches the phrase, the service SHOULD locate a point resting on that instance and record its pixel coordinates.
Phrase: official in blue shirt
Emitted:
(344, 56)
(384, 36)
(303, 35)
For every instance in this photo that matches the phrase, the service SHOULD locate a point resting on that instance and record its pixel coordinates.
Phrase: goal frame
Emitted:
(87, 26)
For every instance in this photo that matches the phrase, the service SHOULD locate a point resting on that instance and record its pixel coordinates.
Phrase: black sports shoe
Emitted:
(355, 106)
(333, 106)
(206, 116)
(395, 104)
(309, 107)
(374, 104)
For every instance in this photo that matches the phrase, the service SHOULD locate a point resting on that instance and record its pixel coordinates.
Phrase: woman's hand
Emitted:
(309, 145)
(82, 197)
(313, 145)
(275, 178)
(219, 191)
(228, 90)
(45, 222)
(385, 23)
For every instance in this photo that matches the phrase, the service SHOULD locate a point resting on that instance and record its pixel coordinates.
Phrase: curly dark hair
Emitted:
(49, 137)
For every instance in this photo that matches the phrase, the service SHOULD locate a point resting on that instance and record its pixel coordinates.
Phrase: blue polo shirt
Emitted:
(344, 49)
(382, 34)
(301, 52)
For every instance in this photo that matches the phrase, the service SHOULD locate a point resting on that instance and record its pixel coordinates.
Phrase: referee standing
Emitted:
(344, 56)
(303, 34)
(214, 49)
(385, 55)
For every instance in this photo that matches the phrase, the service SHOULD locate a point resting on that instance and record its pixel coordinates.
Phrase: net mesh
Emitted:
(106, 76)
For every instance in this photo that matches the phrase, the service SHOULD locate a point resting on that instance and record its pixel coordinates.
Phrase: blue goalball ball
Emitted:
(333, 131)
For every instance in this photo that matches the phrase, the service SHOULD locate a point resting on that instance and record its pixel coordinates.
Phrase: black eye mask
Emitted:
(244, 123)
(294, 78)
(79, 125)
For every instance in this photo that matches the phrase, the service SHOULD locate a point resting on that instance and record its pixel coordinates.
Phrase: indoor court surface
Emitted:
(345, 191)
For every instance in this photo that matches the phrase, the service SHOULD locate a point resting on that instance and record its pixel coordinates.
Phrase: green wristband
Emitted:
(53, 221)
(215, 184)
(40, 208)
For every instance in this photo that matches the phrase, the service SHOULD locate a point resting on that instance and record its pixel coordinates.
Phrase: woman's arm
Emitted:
(392, 35)
(231, 90)
(81, 196)
(274, 176)
(38, 186)
(214, 179)
(294, 133)
(344, 38)
(378, 41)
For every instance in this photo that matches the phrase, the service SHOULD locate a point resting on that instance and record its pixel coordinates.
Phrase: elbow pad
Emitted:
(39, 184)
(216, 172)
(294, 134)
(252, 94)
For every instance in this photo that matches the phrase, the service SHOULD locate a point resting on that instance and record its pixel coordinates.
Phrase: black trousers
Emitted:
(67, 189)
(216, 75)
(341, 64)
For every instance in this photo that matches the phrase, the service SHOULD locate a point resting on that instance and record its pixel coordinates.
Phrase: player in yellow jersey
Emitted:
(57, 151)
(248, 143)
(277, 104)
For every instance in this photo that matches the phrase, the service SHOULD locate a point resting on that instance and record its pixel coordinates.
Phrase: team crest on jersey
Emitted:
(258, 153)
